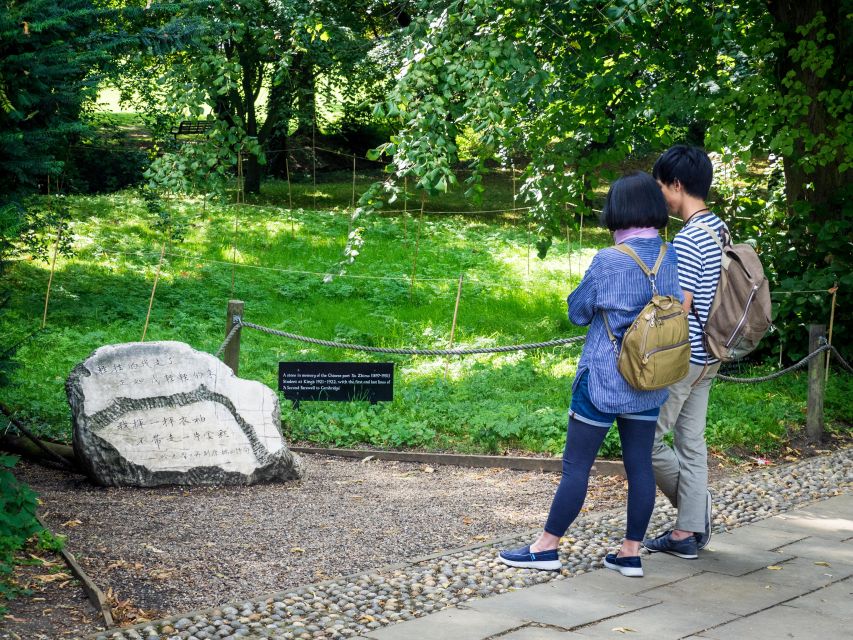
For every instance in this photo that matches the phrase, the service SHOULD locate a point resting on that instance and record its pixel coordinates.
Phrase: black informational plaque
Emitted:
(343, 381)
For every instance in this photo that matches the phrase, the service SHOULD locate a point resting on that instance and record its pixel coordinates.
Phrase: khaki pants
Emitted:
(681, 471)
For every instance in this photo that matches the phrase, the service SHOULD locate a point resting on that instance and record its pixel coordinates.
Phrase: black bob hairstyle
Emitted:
(690, 166)
(634, 200)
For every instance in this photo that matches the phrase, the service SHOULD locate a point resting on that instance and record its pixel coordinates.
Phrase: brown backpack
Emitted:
(740, 313)
(656, 346)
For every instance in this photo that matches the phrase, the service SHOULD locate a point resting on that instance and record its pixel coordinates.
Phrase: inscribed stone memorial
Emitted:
(155, 413)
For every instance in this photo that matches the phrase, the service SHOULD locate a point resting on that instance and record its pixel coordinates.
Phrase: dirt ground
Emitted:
(162, 552)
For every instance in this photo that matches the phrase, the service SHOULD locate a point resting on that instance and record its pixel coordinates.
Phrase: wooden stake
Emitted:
(353, 181)
(289, 195)
(153, 289)
(240, 176)
(569, 243)
(406, 208)
(417, 245)
(580, 240)
(834, 292)
(314, 164)
(52, 262)
(453, 326)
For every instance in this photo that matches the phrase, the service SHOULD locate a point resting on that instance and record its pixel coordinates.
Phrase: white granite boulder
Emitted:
(154, 413)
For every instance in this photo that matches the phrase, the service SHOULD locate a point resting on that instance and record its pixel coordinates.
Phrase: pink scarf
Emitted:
(621, 235)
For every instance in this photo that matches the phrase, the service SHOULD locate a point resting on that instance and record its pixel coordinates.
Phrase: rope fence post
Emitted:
(834, 292)
(814, 415)
(453, 325)
(231, 356)
(314, 164)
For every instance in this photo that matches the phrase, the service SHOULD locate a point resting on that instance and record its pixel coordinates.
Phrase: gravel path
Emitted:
(349, 606)
(177, 549)
(174, 551)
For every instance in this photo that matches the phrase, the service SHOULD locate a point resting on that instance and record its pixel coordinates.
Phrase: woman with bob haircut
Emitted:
(613, 284)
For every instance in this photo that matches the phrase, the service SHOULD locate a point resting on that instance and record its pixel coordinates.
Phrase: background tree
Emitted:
(256, 66)
(580, 86)
(44, 81)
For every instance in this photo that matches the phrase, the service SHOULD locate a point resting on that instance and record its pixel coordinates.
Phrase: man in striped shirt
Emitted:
(681, 471)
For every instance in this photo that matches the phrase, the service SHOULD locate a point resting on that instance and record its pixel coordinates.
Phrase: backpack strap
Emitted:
(650, 274)
(724, 259)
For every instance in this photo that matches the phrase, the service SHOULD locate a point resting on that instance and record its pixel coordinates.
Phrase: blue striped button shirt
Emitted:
(616, 284)
(699, 273)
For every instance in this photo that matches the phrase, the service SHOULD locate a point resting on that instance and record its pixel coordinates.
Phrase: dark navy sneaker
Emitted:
(628, 565)
(702, 539)
(682, 548)
(525, 558)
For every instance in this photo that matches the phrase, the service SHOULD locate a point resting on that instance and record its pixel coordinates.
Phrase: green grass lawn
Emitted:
(476, 403)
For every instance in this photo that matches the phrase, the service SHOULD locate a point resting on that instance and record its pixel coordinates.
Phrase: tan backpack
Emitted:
(656, 347)
(740, 312)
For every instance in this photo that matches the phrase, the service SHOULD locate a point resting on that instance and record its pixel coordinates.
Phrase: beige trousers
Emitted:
(681, 471)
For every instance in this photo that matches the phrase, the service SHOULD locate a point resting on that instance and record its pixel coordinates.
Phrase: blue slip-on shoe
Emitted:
(527, 559)
(702, 539)
(627, 565)
(686, 548)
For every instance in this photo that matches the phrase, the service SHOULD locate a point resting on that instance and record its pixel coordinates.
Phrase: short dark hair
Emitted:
(691, 166)
(634, 200)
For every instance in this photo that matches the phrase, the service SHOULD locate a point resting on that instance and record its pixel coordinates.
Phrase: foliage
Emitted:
(255, 70)
(17, 522)
(43, 84)
(577, 87)
(483, 403)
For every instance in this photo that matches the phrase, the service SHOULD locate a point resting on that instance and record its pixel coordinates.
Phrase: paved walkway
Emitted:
(788, 576)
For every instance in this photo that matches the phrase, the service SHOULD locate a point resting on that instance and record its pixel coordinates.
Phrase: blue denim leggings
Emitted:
(582, 443)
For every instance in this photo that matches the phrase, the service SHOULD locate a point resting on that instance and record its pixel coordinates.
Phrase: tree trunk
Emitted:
(306, 96)
(251, 82)
(820, 185)
(273, 135)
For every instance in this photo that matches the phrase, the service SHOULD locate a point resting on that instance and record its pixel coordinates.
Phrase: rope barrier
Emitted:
(231, 334)
(410, 352)
(778, 374)
(239, 322)
(841, 361)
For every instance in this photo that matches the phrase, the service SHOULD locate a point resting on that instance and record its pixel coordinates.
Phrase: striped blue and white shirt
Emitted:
(616, 284)
(699, 273)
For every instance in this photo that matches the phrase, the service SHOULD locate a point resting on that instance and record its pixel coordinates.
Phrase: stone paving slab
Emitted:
(834, 600)
(459, 624)
(735, 594)
(804, 573)
(811, 523)
(781, 622)
(541, 633)
(820, 551)
(735, 560)
(665, 620)
(753, 537)
(566, 604)
(658, 569)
